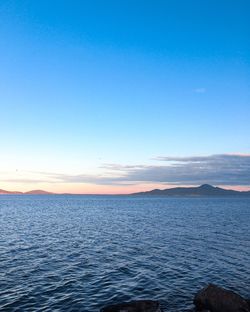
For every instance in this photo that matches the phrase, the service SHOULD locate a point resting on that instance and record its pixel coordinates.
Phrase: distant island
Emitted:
(33, 192)
(203, 190)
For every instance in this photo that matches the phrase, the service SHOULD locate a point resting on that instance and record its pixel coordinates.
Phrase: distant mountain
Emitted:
(203, 190)
(33, 192)
(9, 192)
(38, 192)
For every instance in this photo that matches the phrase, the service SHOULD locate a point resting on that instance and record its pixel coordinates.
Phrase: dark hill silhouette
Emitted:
(38, 192)
(33, 192)
(203, 190)
(9, 192)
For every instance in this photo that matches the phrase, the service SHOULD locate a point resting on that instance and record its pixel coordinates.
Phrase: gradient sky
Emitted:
(95, 94)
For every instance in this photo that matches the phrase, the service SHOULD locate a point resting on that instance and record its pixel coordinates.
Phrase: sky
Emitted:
(123, 96)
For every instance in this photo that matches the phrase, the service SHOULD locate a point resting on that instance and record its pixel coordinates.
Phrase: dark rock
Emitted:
(217, 299)
(134, 306)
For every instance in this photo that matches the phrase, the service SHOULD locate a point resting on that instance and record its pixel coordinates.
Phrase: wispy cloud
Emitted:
(200, 90)
(223, 169)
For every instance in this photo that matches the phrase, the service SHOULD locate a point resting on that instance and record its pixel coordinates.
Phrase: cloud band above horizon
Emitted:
(222, 169)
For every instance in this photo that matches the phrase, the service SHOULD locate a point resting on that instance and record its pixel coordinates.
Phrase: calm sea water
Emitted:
(78, 253)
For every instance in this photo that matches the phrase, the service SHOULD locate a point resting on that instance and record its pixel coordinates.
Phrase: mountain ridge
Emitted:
(202, 190)
(32, 192)
(197, 191)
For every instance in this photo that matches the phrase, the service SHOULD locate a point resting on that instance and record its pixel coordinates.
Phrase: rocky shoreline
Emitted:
(211, 298)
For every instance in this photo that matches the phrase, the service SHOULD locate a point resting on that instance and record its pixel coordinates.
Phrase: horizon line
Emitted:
(45, 192)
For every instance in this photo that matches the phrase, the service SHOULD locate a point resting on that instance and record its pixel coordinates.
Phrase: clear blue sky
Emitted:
(89, 83)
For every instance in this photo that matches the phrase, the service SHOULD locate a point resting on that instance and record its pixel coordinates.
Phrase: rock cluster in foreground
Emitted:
(209, 299)
(217, 299)
(134, 306)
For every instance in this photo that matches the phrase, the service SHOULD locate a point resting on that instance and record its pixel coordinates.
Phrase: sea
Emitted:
(80, 253)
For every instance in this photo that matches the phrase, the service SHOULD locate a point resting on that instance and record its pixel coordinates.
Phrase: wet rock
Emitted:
(134, 306)
(217, 299)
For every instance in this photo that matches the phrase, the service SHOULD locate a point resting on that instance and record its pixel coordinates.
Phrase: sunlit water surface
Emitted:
(78, 253)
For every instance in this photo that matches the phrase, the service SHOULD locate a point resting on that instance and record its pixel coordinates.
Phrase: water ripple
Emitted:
(78, 253)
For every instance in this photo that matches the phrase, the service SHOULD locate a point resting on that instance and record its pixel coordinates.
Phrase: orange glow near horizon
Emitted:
(82, 188)
(241, 188)
(98, 189)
